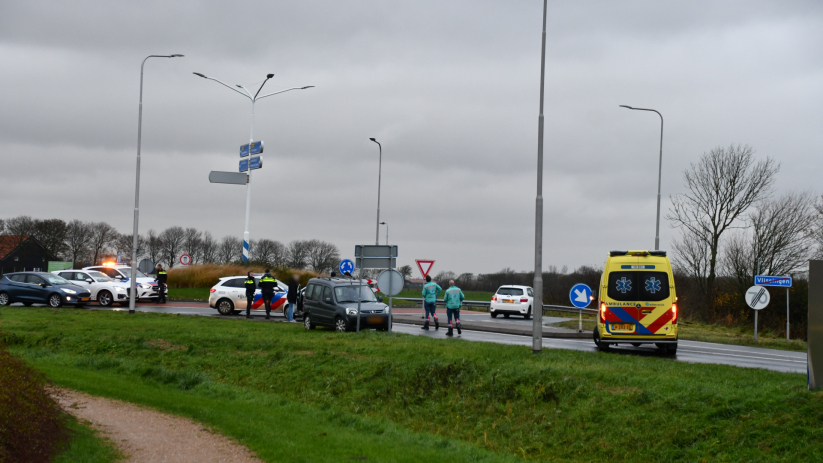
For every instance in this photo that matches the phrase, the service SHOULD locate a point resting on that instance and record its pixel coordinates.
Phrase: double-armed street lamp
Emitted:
(379, 174)
(246, 93)
(132, 281)
(659, 174)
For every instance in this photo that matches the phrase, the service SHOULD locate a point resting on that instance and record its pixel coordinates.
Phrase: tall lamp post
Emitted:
(659, 174)
(537, 323)
(387, 232)
(246, 93)
(379, 174)
(133, 279)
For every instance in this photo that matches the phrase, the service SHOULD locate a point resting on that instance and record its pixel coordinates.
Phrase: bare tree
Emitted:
(2, 227)
(20, 227)
(406, 271)
(78, 238)
(102, 236)
(691, 256)
(323, 257)
(229, 249)
(444, 277)
(208, 249)
(265, 250)
(154, 246)
(51, 233)
(192, 241)
(722, 185)
(297, 254)
(171, 241)
(279, 255)
(123, 243)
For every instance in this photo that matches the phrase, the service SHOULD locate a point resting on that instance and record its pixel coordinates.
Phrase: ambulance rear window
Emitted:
(638, 286)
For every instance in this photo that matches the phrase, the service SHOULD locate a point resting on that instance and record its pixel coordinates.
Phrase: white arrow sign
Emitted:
(581, 295)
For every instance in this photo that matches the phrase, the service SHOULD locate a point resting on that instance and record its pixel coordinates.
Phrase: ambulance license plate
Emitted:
(508, 301)
(623, 327)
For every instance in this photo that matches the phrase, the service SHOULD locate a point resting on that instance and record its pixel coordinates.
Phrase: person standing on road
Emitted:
(291, 298)
(267, 285)
(454, 300)
(430, 292)
(160, 278)
(250, 288)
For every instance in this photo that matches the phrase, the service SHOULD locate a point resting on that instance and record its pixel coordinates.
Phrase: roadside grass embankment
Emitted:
(296, 395)
(207, 275)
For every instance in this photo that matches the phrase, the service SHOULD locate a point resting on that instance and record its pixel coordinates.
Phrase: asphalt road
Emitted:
(687, 351)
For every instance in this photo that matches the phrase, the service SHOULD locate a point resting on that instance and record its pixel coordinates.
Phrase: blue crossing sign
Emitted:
(256, 148)
(346, 265)
(765, 280)
(580, 295)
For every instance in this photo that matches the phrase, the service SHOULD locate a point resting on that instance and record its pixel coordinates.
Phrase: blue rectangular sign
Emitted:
(256, 162)
(244, 165)
(765, 280)
(256, 148)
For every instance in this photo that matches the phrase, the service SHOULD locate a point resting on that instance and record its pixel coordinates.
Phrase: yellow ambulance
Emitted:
(638, 304)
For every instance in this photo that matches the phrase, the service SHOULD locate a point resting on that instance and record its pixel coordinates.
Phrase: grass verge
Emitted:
(85, 445)
(278, 388)
(196, 294)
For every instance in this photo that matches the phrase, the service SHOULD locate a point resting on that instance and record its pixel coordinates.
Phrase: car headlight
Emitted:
(351, 311)
(145, 286)
(119, 289)
(67, 290)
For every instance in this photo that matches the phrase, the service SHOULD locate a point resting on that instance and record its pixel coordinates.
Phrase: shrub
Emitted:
(206, 275)
(31, 425)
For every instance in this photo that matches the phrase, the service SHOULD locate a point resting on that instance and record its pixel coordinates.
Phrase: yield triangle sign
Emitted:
(424, 263)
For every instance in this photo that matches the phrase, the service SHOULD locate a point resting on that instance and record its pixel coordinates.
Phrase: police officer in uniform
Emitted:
(161, 278)
(267, 285)
(250, 288)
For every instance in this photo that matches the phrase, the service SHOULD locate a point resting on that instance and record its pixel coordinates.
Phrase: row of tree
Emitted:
(93, 242)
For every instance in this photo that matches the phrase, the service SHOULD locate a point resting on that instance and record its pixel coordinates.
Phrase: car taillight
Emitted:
(602, 312)
(494, 298)
(212, 290)
(524, 300)
(674, 314)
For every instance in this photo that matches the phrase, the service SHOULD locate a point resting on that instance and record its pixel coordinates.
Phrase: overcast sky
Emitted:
(449, 88)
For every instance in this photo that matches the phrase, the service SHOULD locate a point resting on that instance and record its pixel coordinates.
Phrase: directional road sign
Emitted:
(256, 163)
(427, 263)
(765, 280)
(232, 178)
(580, 295)
(757, 297)
(346, 265)
(256, 148)
(390, 282)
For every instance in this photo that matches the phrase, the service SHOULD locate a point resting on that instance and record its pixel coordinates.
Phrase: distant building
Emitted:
(415, 284)
(20, 253)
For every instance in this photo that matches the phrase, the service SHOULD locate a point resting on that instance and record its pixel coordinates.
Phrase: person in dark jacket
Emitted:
(267, 286)
(250, 288)
(291, 297)
(161, 277)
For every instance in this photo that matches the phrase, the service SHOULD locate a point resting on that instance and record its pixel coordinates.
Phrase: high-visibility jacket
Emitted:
(431, 290)
(250, 287)
(454, 297)
(267, 285)
(162, 276)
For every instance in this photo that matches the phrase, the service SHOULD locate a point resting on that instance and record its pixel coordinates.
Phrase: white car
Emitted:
(146, 287)
(228, 296)
(513, 299)
(103, 289)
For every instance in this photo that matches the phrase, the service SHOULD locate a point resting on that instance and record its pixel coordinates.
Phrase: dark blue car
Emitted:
(40, 288)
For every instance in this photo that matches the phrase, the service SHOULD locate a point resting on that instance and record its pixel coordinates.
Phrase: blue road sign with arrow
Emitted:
(346, 265)
(580, 295)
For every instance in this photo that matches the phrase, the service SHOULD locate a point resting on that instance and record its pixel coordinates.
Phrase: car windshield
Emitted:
(127, 272)
(56, 280)
(349, 294)
(510, 292)
(101, 277)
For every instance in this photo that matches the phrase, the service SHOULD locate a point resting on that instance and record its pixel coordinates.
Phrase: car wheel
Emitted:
(5, 299)
(225, 307)
(55, 301)
(27, 304)
(104, 298)
(307, 323)
(494, 315)
(637, 344)
(506, 315)
(340, 325)
(528, 314)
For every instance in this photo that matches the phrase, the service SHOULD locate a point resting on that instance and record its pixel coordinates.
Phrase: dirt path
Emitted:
(145, 435)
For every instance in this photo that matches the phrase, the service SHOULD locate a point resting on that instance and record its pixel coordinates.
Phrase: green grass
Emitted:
(198, 294)
(85, 445)
(276, 387)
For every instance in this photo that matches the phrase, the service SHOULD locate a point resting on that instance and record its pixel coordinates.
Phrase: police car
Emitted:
(228, 296)
(103, 289)
(146, 287)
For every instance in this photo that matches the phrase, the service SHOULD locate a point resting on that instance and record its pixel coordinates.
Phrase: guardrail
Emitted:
(546, 307)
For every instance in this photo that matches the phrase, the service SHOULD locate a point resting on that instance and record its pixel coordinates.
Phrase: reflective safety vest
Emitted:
(431, 290)
(454, 297)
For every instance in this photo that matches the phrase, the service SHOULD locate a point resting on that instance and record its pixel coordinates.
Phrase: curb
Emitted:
(503, 330)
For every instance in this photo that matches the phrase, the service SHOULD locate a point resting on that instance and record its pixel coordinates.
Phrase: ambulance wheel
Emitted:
(494, 315)
(637, 344)
(603, 346)
(225, 307)
(667, 349)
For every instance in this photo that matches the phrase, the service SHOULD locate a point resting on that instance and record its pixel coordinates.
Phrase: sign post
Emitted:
(390, 283)
(375, 256)
(581, 297)
(780, 282)
(757, 297)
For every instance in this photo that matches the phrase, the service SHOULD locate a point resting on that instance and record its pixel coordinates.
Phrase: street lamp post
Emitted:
(659, 174)
(379, 174)
(132, 284)
(537, 323)
(387, 232)
(253, 100)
